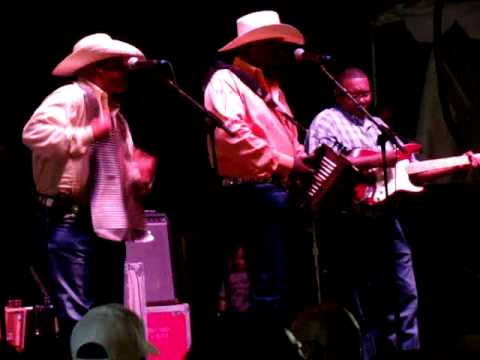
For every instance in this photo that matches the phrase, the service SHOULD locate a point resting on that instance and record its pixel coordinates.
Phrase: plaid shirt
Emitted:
(343, 132)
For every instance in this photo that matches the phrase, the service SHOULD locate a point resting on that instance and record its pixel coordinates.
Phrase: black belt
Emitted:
(229, 181)
(60, 201)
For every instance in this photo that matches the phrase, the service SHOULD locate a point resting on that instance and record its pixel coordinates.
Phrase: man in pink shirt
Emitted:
(255, 163)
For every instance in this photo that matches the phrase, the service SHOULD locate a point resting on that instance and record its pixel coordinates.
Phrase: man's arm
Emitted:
(51, 132)
(147, 166)
(322, 130)
(471, 161)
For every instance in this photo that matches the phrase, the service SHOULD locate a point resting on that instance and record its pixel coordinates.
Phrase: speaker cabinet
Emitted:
(169, 331)
(155, 256)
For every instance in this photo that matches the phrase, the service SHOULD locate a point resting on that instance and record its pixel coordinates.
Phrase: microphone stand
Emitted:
(210, 118)
(46, 322)
(212, 121)
(386, 133)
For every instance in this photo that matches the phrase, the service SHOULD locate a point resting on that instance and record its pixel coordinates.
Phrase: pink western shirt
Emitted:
(265, 141)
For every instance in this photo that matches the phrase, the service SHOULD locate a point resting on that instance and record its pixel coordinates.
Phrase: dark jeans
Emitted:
(84, 270)
(369, 271)
(256, 216)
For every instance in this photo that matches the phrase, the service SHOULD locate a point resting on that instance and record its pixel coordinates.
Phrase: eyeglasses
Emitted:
(359, 94)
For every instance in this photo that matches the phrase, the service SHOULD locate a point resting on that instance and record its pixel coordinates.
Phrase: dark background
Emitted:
(441, 222)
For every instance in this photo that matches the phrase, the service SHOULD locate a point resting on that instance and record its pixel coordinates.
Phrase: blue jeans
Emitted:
(84, 270)
(256, 216)
(370, 272)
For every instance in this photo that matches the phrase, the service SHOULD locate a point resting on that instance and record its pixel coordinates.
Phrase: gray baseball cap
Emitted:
(110, 332)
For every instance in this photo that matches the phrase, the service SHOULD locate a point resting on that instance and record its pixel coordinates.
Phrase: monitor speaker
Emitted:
(154, 256)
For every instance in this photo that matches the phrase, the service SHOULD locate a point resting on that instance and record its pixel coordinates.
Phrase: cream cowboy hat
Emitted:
(93, 48)
(263, 25)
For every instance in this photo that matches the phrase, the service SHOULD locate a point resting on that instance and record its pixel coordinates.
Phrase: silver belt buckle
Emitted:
(228, 181)
(45, 200)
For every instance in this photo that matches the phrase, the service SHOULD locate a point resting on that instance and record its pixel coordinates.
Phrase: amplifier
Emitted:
(155, 259)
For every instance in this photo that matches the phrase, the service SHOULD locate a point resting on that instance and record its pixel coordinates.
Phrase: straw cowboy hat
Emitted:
(91, 49)
(263, 25)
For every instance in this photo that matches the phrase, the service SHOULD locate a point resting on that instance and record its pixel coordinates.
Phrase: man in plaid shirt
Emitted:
(374, 278)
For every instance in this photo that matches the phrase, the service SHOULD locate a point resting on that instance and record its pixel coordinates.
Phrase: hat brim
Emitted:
(285, 32)
(83, 57)
(148, 348)
(151, 349)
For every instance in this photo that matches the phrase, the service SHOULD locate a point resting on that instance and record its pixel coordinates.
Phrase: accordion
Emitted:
(330, 183)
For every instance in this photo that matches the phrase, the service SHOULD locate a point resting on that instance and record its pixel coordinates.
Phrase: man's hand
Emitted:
(101, 127)
(147, 165)
(300, 165)
(474, 159)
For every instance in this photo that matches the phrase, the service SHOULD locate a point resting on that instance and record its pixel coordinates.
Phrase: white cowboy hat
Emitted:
(263, 25)
(93, 48)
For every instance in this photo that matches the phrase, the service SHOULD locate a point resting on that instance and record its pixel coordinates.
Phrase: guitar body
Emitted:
(398, 181)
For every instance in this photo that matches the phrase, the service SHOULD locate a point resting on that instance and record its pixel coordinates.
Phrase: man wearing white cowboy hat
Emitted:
(89, 178)
(264, 151)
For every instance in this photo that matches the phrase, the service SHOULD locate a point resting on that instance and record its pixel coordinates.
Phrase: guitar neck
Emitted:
(444, 164)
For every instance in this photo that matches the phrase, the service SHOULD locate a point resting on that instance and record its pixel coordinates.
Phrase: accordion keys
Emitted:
(329, 169)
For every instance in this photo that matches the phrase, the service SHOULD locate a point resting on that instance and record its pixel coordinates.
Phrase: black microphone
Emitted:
(302, 55)
(134, 63)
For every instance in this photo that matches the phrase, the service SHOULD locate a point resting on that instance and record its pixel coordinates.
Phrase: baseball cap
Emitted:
(110, 332)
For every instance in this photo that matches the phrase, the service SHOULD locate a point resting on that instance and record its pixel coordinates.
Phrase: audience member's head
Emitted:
(110, 332)
(328, 331)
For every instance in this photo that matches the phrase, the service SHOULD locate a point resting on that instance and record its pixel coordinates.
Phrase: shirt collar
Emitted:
(353, 118)
(101, 94)
(270, 87)
(253, 71)
(97, 89)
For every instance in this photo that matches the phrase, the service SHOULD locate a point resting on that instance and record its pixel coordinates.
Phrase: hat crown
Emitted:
(93, 48)
(263, 25)
(91, 41)
(256, 20)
